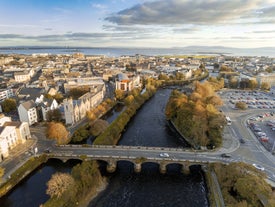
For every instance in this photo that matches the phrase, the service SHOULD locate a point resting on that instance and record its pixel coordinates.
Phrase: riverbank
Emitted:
(93, 193)
(21, 173)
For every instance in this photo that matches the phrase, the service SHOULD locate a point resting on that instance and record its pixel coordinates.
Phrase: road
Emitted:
(250, 152)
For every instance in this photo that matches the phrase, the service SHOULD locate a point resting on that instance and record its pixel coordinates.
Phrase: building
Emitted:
(27, 112)
(5, 94)
(75, 110)
(82, 82)
(124, 83)
(266, 78)
(44, 105)
(12, 133)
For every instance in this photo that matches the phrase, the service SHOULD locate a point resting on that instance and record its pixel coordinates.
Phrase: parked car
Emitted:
(226, 155)
(259, 167)
(242, 141)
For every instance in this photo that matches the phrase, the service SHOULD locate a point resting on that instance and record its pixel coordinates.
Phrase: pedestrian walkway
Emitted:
(17, 157)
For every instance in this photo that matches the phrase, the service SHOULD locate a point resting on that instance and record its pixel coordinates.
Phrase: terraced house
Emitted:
(12, 133)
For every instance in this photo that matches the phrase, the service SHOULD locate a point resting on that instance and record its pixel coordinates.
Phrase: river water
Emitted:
(150, 188)
(126, 188)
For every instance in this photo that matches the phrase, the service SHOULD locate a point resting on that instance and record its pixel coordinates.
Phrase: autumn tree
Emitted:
(119, 94)
(179, 76)
(233, 82)
(243, 185)
(216, 83)
(163, 76)
(2, 171)
(8, 105)
(58, 132)
(241, 105)
(252, 84)
(225, 68)
(60, 183)
(129, 100)
(196, 115)
(265, 86)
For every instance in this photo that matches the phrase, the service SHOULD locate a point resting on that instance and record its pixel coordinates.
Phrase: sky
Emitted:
(138, 23)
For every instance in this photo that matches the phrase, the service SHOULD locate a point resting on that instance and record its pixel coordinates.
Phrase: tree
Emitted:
(98, 127)
(241, 105)
(54, 115)
(59, 183)
(180, 76)
(58, 132)
(129, 100)
(80, 134)
(244, 83)
(233, 82)
(163, 76)
(75, 93)
(265, 86)
(9, 105)
(2, 171)
(252, 84)
(226, 68)
(120, 94)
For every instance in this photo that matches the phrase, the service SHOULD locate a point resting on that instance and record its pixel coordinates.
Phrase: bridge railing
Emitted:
(130, 147)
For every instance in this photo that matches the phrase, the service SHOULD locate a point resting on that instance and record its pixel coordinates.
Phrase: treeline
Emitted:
(243, 185)
(180, 79)
(95, 125)
(72, 189)
(196, 116)
(133, 101)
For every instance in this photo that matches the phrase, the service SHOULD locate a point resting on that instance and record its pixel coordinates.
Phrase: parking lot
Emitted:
(262, 124)
(253, 99)
(263, 127)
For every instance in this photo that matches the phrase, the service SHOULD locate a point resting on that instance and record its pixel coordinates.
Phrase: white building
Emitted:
(45, 105)
(5, 94)
(75, 110)
(11, 134)
(124, 83)
(22, 76)
(27, 112)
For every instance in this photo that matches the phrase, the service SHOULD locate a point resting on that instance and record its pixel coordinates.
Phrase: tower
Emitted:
(69, 111)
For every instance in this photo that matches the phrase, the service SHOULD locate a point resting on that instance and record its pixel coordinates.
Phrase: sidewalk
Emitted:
(17, 157)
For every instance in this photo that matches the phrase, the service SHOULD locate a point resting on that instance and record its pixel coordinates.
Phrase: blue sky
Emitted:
(138, 23)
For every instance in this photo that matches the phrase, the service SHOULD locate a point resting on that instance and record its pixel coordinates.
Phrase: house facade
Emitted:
(75, 110)
(27, 112)
(12, 133)
(44, 105)
(5, 94)
(124, 83)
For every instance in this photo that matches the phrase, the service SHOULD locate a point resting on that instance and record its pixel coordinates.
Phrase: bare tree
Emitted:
(59, 183)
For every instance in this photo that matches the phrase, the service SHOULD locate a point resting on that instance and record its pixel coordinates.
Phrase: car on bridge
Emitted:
(164, 154)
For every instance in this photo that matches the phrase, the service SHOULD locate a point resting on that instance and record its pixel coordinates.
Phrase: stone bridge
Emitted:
(137, 155)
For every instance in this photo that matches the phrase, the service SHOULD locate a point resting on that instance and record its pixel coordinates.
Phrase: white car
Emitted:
(164, 154)
(259, 167)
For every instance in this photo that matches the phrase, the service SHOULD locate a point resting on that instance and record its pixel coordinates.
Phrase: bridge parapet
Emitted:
(137, 161)
(131, 147)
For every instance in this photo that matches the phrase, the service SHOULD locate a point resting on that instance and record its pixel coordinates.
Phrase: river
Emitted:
(126, 188)
(150, 188)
